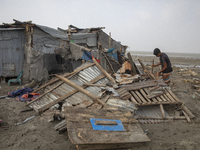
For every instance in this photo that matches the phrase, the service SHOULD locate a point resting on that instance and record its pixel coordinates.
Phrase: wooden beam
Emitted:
(104, 72)
(187, 111)
(162, 111)
(108, 62)
(82, 90)
(68, 94)
(100, 85)
(69, 74)
(106, 98)
(137, 98)
(186, 116)
(133, 99)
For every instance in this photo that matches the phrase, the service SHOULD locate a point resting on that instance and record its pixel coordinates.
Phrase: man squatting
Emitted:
(165, 63)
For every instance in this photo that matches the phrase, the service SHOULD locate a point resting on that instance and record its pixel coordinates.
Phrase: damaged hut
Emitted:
(40, 51)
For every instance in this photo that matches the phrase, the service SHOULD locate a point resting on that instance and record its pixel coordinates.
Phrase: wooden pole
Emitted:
(109, 40)
(104, 72)
(187, 111)
(162, 111)
(152, 67)
(108, 62)
(82, 90)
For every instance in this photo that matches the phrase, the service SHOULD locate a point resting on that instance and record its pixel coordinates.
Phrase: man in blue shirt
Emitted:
(165, 63)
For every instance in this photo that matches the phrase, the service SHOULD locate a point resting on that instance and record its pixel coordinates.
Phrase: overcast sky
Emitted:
(171, 25)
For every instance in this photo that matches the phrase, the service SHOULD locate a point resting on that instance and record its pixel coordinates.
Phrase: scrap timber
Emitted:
(102, 134)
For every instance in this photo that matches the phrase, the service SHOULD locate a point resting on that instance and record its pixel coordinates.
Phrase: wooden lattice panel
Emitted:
(140, 97)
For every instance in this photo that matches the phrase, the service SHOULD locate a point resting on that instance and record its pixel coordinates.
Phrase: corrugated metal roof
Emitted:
(78, 98)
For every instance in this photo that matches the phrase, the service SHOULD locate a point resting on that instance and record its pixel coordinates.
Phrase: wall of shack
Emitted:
(45, 55)
(12, 43)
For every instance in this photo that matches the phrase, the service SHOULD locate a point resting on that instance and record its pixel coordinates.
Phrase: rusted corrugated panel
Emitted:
(11, 52)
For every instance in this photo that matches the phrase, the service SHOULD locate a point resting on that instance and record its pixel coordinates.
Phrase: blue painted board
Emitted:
(118, 127)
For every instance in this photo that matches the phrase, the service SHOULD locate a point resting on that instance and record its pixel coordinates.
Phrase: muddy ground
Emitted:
(38, 134)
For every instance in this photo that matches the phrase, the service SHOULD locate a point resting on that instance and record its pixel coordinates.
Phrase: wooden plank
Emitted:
(81, 136)
(106, 98)
(144, 94)
(104, 72)
(140, 96)
(187, 111)
(165, 96)
(133, 99)
(82, 90)
(173, 95)
(147, 91)
(162, 111)
(68, 94)
(170, 97)
(81, 132)
(159, 99)
(162, 97)
(137, 98)
(146, 84)
(187, 117)
(154, 103)
(99, 85)
(70, 74)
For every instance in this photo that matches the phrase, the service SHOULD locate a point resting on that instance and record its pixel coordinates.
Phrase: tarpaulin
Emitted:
(87, 56)
(20, 92)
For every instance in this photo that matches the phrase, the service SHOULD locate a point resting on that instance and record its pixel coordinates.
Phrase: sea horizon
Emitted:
(170, 54)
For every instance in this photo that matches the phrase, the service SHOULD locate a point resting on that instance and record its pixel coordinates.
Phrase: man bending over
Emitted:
(165, 63)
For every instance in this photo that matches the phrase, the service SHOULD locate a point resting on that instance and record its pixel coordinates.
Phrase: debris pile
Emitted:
(91, 99)
(187, 72)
